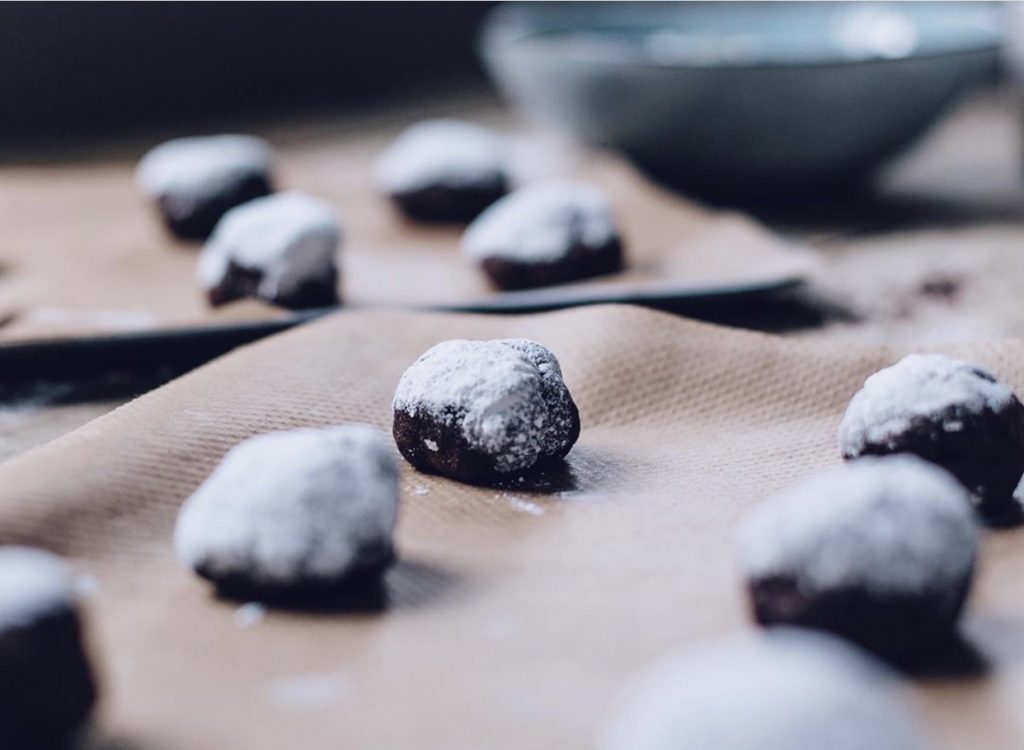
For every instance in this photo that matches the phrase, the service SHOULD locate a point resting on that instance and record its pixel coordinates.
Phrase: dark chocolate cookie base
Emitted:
(897, 628)
(449, 205)
(189, 220)
(986, 455)
(240, 282)
(454, 457)
(47, 688)
(361, 581)
(580, 262)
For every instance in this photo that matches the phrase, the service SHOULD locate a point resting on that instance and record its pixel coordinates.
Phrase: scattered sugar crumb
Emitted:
(309, 692)
(419, 489)
(431, 445)
(523, 505)
(249, 614)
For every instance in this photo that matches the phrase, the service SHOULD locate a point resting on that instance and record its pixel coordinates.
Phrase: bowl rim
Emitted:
(500, 36)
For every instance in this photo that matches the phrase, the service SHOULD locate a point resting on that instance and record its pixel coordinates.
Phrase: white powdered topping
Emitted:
(293, 505)
(541, 223)
(790, 690)
(918, 386)
(201, 167)
(507, 396)
(446, 153)
(249, 614)
(33, 584)
(289, 237)
(895, 525)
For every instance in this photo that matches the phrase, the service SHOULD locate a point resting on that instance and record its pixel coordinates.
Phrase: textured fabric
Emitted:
(513, 616)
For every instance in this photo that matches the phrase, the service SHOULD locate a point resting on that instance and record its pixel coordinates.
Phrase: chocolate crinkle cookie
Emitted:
(291, 515)
(549, 233)
(881, 551)
(281, 249)
(47, 689)
(484, 411)
(195, 181)
(443, 171)
(788, 690)
(952, 413)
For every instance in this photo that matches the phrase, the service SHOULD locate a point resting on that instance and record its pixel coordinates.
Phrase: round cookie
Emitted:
(952, 413)
(784, 691)
(294, 514)
(47, 689)
(549, 233)
(195, 181)
(281, 249)
(443, 171)
(484, 411)
(881, 551)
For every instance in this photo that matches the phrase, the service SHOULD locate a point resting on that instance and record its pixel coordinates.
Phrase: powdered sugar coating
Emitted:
(289, 237)
(201, 167)
(446, 153)
(506, 396)
(33, 584)
(790, 690)
(295, 506)
(920, 386)
(541, 223)
(892, 525)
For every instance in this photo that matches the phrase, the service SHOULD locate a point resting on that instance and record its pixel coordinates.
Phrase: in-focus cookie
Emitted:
(881, 551)
(47, 688)
(281, 249)
(195, 181)
(952, 413)
(549, 233)
(443, 170)
(294, 514)
(791, 690)
(484, 411)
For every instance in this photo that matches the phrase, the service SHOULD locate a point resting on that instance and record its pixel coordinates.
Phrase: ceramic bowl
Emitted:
(744, 97)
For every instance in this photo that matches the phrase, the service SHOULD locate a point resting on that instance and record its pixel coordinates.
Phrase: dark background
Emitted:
(74, 70)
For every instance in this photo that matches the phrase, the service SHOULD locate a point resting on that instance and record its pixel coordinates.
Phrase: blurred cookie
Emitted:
(952, 413)
(195, 181)
(881, 551)
(791, 690)
(294, 514)
(484, 411)
(47, 689)
(443, 171)
(549, 233)
(281, 249)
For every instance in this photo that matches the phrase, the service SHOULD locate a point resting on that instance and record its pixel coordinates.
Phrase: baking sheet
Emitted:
(83, 254)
